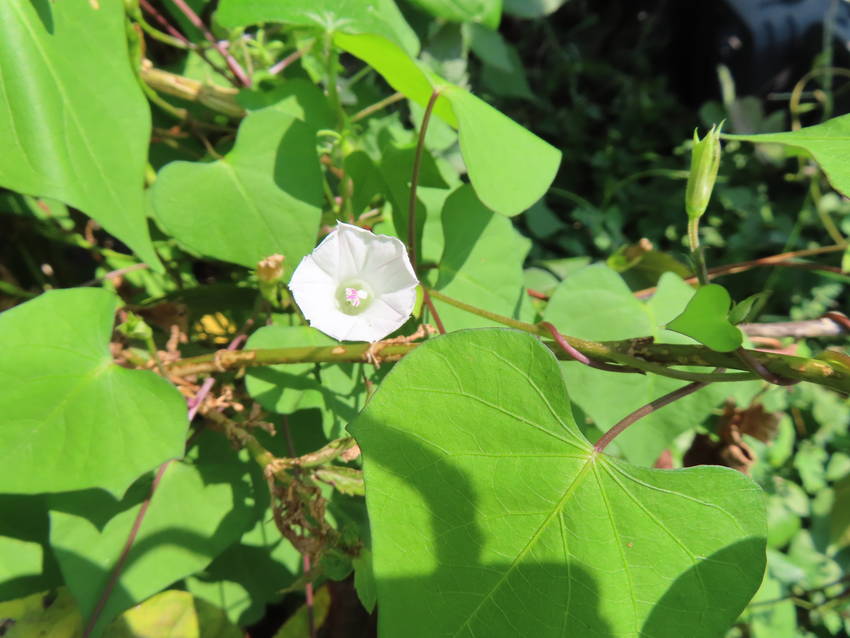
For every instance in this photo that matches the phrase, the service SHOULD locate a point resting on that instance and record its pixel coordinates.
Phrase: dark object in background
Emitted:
(768, 45)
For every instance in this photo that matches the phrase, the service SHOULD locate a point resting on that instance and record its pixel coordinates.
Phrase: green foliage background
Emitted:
(153, 153)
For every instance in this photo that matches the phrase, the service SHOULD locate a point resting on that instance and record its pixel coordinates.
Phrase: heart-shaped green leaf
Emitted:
(74, 123)
(595, 303)
(510, 168)
(826, 142)
(706, 319)
(249, 574)
(263, 197)
(491, 515)
(197, 510)
(70, 418)
(481, 263)
(336, 390)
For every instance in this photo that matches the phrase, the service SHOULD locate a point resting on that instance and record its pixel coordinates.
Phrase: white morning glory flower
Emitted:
(355, 285)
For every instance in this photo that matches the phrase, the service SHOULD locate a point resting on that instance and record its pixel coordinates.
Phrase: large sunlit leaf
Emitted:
(509, 167)
(196, 512)
(491, 515)
(826, 142)
(74, 123)
(381, 17)
(263, 197)
(595, 303)
(481, 263)
(69, 417)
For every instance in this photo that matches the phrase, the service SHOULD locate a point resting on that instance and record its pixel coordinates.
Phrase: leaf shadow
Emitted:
(296, 164)
(23, 517)
(462, 593)
(343, 406)
(459, 245)
(675, 615)
(396, 169)
(45, 14)
(88, 579)
(452, 598)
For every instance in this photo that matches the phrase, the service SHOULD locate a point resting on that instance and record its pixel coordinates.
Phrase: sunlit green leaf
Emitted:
(481, 263)
(827, 143)
(173, 613)
(48, 613)
(491, 511)
(595, 303)
(298, 97)
(26, 564)
(706, 319)
(509, 167)
(19, 559)
(74, 122)
(263, 197)
(69, 417)
(197, 510)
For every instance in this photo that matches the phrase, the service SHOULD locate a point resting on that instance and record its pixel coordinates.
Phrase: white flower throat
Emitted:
(353, 297)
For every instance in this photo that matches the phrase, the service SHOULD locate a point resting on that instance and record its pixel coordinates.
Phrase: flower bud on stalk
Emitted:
(270, 276)
(705, 162)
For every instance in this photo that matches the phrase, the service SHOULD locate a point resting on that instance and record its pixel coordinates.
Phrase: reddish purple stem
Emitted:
(163, 22)
(433, 309)
(649, 408)
(125, 553)
(232, 64)
(194, 404)
(580, 357)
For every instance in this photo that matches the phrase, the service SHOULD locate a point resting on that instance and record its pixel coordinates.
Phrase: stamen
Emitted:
(354, 296)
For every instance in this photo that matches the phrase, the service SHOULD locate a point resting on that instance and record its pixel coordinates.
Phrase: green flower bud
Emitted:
(270, 272)
(705, 161)
(135, 327)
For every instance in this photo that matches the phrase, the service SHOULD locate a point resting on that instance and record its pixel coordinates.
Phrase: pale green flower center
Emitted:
(353, 296)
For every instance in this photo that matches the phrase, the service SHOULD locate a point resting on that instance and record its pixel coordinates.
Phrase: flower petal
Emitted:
(388, 266)
(353, 251)
(351, 258)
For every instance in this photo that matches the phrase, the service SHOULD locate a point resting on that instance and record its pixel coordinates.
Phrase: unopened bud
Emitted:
(705, 162)
(270, 269)
(135, 327)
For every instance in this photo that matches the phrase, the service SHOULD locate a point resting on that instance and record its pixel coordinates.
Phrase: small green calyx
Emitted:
(705, 162)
